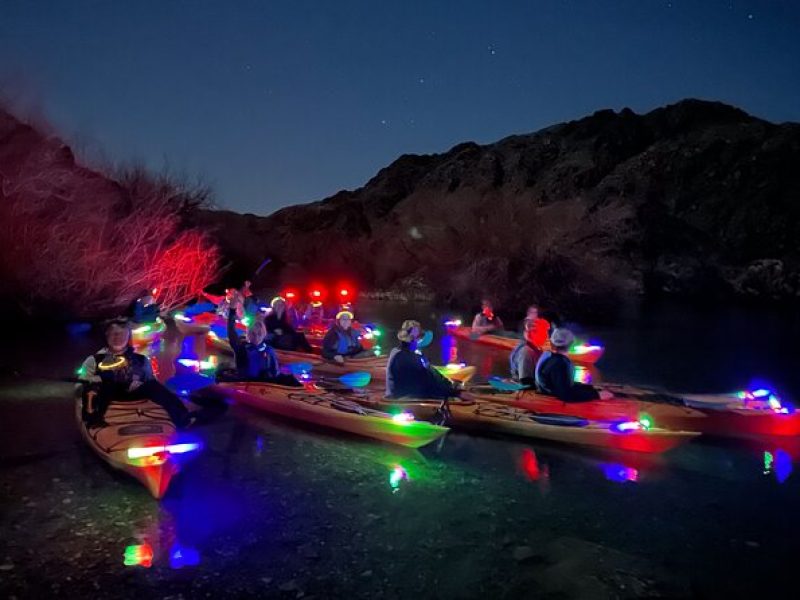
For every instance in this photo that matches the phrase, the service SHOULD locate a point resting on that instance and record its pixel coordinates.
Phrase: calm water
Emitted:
(273, 509)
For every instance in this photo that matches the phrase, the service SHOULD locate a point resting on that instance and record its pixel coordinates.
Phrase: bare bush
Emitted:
(89, 245)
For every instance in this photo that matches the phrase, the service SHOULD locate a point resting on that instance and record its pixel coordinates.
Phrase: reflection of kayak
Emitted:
(139, 439)
(317, 406)
(721, 415)
(490, 416)
(582, 354)
(145, 333)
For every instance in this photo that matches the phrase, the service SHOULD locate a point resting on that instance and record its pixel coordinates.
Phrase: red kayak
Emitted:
(726, 415)
(579, 353)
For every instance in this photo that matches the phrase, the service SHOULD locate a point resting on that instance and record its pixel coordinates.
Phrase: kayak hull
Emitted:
(509, 420)
(129, 425)
(587, 357)
(724, 420)
(324, 408)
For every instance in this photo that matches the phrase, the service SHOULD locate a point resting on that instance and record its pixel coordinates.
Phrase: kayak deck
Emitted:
(324, 408)
(133, 429)
(500, 418)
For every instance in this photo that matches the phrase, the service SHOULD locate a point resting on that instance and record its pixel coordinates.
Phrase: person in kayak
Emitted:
(255, 359)
(486, 321)
(539, 331)
(145, 309)
(342, 341)
(117, 373)
(408, 373)
(280, 331)
(555, 372)
(525, 355)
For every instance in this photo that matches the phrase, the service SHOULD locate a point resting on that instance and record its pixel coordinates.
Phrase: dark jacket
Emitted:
(272, 322)
(555, 376)
(253, 363)
(341, 341)
(408, 374)
(137, 368)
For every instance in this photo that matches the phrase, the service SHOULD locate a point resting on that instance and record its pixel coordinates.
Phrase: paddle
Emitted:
(187, 383)
(425, 340)
(504, 385)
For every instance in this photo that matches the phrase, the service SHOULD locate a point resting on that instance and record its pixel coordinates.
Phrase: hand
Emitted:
(90, 396)
(606, 395)
(339, 359)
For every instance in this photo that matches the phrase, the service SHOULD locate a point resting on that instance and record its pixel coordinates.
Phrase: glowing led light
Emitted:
(290, 295)
(138, 556)
(397, 475)
(213, 335)
(147, 451)
(629, 426)
(182, 317)
(452, 323)
(646, 421)
(142, 329)
(182, 556)
(585, 348)
(81, 371)
(620, 473)
(403, 418)
(110, 365)
(582, 375)
(760, 393)
(344, 293)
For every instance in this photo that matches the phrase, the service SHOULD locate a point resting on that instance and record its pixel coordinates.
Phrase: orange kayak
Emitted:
(312, 404)
(581, 354)
(139, 439)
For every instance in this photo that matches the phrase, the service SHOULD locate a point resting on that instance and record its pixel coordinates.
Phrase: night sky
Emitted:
(276, 103)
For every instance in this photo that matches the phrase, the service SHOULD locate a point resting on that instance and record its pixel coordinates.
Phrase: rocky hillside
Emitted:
(693, 198)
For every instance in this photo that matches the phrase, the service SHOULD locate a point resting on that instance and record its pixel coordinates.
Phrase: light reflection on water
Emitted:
(263, 488)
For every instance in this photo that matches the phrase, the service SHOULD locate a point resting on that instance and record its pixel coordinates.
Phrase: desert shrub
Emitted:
(89, 245)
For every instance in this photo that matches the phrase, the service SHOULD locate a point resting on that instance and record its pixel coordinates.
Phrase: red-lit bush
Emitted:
(74, 239)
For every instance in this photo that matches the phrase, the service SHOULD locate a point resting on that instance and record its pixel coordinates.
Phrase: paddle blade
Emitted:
(187, 383)
(299, 368)
(356, 379)
(504, 385)
(425, 340)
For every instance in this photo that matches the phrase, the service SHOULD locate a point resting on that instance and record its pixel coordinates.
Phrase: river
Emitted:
(274, 509)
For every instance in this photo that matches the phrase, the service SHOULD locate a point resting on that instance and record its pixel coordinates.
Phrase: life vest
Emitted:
(133, 367)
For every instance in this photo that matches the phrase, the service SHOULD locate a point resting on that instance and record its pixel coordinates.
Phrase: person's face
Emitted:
(279, 307)
(345, 322)
(533, 313)
(117, 338)
(486, 307)
(256, 334)
(414, 333)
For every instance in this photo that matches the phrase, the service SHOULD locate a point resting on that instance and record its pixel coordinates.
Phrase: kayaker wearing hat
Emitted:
(117, 373)
(555, 373)
(341, 341)
(280, 331)
(486, 321)
(408, 373)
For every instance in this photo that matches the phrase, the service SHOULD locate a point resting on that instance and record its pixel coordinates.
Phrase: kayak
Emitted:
(633, 436)
(146, 333)
(315, 405)
(725, 415)
(140, 439)
(582, 354)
